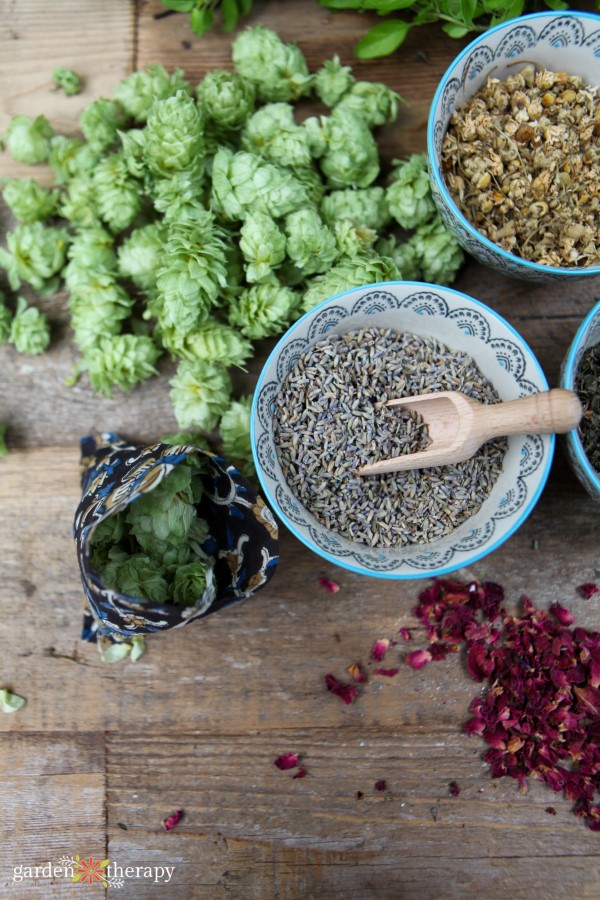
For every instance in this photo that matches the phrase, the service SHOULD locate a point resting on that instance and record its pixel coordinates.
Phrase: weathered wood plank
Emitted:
(52, 790)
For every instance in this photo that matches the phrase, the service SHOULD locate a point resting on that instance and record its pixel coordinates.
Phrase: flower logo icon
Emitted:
(90, 871)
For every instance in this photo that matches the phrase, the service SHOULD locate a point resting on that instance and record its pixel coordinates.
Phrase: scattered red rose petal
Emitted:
(357, 671)
(562, 614)
(379, 649)
(419, 658)
(171, 821)
(301, 773)
(550, 810)
(287, 761)
(454, 788)
(588, 590)
(381, 785)
(345, 692)
(389, 673)
(405, 634)
(331, 586)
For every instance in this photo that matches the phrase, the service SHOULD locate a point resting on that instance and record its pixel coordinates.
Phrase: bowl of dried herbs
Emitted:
(580, 372)
(514, 146)
(319, 413)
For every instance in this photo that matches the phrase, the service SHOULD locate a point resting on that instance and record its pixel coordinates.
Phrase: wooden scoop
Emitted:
(458, 426)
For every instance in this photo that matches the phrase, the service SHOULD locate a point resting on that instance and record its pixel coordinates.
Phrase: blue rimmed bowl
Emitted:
(461, 323)
(567, 42)
(587, 336)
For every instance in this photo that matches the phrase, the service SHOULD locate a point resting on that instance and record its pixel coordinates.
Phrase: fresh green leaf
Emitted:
(454, 30)
(467, 10)
(229, 12)
(382, 39)
(342, 4)
(10, 703)
(244, 7)
(556, 4)
(383, 7)
(179, 5)
(201, 20)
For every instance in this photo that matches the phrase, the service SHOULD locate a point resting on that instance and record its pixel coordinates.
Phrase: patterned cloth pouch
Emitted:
(242, 542)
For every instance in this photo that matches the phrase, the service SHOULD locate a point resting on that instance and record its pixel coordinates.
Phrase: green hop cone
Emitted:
(133, 144)
(78, 203)
(409, 194)
(29, 201)
(99, 123)
(67, 81)
(29, 332)
(98, 310)
(438, 252)
(353, 240)
(118, 195)
(140, 577)
(349, 273)
(263, 310)
(311, 245)
(121, 361)
(28, 140)
(332, 81)
(173, 135)
(140, 255)
(277, 70)
(351, 158)
(263, 246)
(211, 342)
(190, 582)
(234, 429)
(273, 134)
(226, 99)
(404, 255)
(6, 318)
(366, 206)
(138, 92)
(200, 392)
(242, 183)
(36, 255)
(91, 250)
(70, 157)
(376, 104)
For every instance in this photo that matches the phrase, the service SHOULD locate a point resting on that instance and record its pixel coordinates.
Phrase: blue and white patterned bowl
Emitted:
(588, 335)
(461, 323)
(567, 42)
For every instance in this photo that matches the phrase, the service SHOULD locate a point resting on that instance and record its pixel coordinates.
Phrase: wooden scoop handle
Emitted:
(550, 412)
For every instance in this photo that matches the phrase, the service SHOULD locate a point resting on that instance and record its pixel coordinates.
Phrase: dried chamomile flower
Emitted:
(213, 341)
(29, 331)
(310, 245)
(200, 392)
(29, 201)
(118, 194)
(263, 310)
(122, 361)
(67, 81)
(234, 429)
(35, 254)
(351, 158)
(404, 254)
(241, 182)
(173, 135)
(78, 204)
(226, 98)
(138, 91)
(192, 273)
(375, 103)
(190, 582)
(439, 253)
(409, 193)
(70, 156)
(28, 140)
(5, 320)
(272, 133)
(351, 239)
(332, 81)
(348, 273)
(263, 245)
(366, 206)
(278, 71)
(99, 123)
(140, 255)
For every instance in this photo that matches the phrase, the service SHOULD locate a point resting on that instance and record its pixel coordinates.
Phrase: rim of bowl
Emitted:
(330, 557)
(434, 168)
(568, 381)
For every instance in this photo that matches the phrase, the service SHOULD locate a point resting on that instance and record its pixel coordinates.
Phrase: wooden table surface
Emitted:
(102, 753)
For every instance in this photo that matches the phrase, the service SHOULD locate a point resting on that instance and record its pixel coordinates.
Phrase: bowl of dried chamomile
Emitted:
(320, 412)
(514, 146)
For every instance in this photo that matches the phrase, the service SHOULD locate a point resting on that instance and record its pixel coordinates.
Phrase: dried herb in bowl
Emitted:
(521, 160)
(587, 387)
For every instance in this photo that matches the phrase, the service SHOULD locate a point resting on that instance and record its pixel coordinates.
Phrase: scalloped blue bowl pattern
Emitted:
(568, 42)
(588, 335)
(461, 323)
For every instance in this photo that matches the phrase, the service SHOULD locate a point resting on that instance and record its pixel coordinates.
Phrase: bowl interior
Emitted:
(461, 323)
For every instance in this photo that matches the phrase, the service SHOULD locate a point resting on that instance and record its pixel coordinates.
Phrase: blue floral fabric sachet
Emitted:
(241, 545)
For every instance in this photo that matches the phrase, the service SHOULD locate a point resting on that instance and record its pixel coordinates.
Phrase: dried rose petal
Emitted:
(379, 649)
(418, 658)
(405, 634)
(171, 821)
(345, 692)
(381, 785)
(331, 586)
(588, 590)
(357, 671)
(301, 773)
(454, 789)
(287, 761)
(562, 614)
(389, 673)
(550, 810)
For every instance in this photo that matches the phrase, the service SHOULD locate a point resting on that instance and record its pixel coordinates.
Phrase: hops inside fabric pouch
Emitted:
(164, 535)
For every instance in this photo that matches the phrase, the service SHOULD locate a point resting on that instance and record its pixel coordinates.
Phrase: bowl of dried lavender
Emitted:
(514, 146)
(580, 372)
(319, 412)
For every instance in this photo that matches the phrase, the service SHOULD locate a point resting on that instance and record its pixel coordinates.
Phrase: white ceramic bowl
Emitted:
(568, 42)
(461, 323)
(587, 336)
